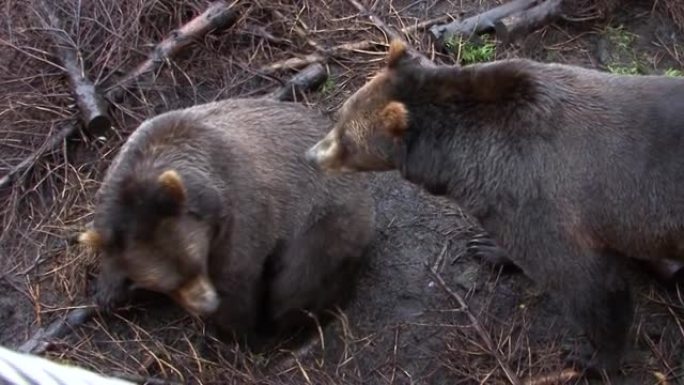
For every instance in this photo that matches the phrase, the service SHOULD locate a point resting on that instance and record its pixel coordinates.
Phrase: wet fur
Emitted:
(283, 236)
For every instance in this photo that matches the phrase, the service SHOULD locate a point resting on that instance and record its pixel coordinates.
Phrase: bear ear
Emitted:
(397, 52)
(171, 183)
(91, 238)
(394, 118)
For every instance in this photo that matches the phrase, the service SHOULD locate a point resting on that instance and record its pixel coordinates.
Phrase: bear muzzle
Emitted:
(314, 154)
(198, 296)
(325, 155)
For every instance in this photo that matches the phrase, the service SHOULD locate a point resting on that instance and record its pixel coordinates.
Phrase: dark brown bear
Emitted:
(216, 206)
(568, 169)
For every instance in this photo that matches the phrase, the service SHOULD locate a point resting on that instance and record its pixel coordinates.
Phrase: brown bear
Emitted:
(568, 169)
(216, 206)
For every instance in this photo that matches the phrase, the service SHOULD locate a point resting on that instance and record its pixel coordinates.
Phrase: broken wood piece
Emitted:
(481, 23)
(555, 379)
(512, 27)
(39, 342)
(91, 104)
(293, 63)
(218, 16)
(309, 78)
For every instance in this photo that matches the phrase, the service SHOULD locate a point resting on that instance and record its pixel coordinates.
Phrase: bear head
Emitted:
(146, 229)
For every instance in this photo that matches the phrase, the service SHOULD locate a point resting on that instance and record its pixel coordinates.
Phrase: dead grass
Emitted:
(53, 200)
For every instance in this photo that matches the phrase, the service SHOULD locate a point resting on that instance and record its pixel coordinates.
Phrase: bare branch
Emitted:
(218, 16)
(53, 141)
(39, 342)
(390, 32)
(91, 104)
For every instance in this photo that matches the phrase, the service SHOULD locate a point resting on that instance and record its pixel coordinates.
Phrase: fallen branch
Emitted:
(478, 24)
(323, 55)
(91, 104)
(40, 340)
(511, 27)
(218, 16)
(310, 77)
(489, 344)
(52, 142)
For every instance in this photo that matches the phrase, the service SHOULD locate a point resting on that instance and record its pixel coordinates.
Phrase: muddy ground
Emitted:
(402, 327)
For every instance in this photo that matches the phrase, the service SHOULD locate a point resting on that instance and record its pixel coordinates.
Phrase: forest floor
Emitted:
(403, 326)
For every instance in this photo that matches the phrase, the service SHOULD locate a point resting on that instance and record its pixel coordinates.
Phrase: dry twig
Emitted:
(489, 344)
(387, 30)
(323, 55)
(218, 16)
(555, 379)
(53, 141)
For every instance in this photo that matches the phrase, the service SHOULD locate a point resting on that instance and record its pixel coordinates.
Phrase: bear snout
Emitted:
(198, 297)
(311, 155)
(323, 154)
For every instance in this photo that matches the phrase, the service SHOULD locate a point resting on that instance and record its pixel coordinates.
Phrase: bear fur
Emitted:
(216, 206)
(569, 170)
